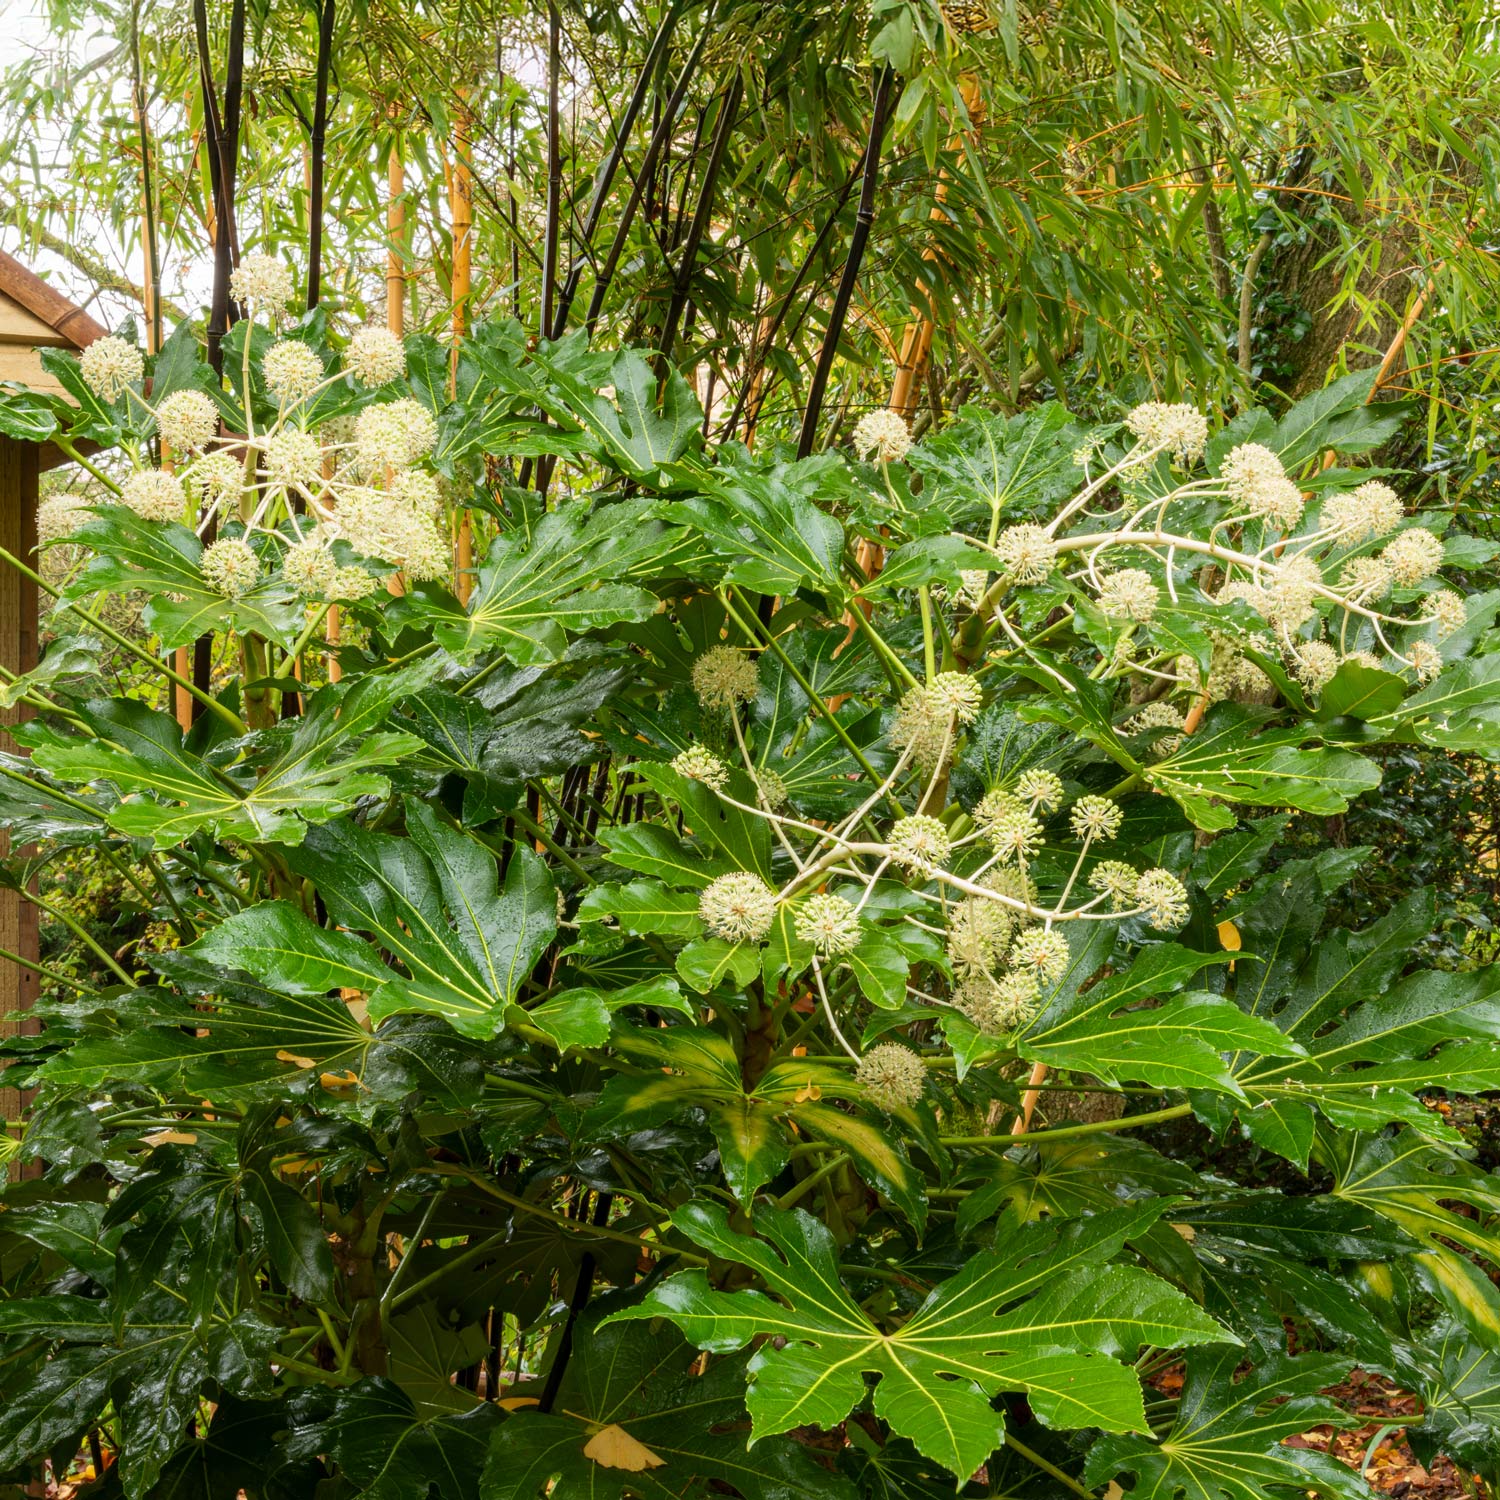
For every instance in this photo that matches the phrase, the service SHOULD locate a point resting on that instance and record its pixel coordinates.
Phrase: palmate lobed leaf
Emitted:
(1043, 1314)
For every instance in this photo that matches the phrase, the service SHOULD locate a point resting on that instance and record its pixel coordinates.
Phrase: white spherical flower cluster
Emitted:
(1042, 953)
(1180, 429)
(1015, 835)
(1413, 555)
(1096, 818)
(1130, 594)
(883, 433)
(108, 365)
(418, 489)
(919, 844)
(1364, 659)
(1448, 611)
(978, 930)
(310, 569)
(187, 420)
(997, 1006)
(699, 763)
(294, 459)
(1291, 590)
(350, 584)
(773, 790)
(1043, 789)
(59, 516)
(292, 370)
(1026, 553)
(1257, 482)
(1164, 898)
(738, 908)
(928, 715)
(394, 434)
(375, 356)
(1314, 663)
(1426, 660)
(829, 923)
(1164, 718)
(1115, 879)
(1372, 510)
(1365, 578)
(265, 279)
(380, 526)
(957, 694)
(724, 677)
(154, 495)
(230, 567)
(973, 585)
(215, 476)
(892, 1076)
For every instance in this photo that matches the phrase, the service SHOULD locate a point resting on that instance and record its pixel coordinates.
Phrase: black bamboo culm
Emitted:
(869, 180)
(148, 191)
(583, 1287)
(319, 137)
(222, 131)
(688, 262)
(554, 167)
(604, 180)
(664, 125)
(784, 306)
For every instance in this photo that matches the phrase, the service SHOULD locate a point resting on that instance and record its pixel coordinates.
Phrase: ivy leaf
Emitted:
(631, 1420)
(1226, 1442)
(1042, 1315)
(384, 1447)
(162, 560)
(435, 902)
(534, 592)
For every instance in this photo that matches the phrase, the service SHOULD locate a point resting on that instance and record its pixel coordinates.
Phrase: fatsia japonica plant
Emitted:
(683, 1008)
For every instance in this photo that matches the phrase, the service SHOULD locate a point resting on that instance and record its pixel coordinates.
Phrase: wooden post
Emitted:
(461, 208)
(19, 929)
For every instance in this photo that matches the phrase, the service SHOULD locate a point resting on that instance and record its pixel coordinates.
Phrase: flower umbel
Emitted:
(892, 1076)
(723, 677)
(883, 433)
(109, 364)
(738, 908)
(829, 923)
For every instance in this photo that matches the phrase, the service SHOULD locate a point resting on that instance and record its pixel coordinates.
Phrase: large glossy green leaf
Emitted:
(630, 1420)
(162, 560)
(434, 901)
(534, 592)
(1226, 1442)
(385, 1448)
(322, 770)
(1042, 1315)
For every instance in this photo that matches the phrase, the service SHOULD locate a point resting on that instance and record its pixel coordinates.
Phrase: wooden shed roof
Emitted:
(35, 316)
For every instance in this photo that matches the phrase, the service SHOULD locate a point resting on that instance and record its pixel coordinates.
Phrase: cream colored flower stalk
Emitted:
(883, 433)
(108, 365)
(738, 908)
(892, 1076)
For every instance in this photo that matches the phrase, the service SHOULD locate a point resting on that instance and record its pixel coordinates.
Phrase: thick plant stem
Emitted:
(863, 221)
(319, 136)
(554, 168)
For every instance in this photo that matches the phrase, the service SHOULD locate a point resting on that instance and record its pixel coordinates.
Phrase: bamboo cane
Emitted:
(461, 210)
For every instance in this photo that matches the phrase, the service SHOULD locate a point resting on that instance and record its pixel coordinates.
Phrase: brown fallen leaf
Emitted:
(614, 1448)
(291, 1057)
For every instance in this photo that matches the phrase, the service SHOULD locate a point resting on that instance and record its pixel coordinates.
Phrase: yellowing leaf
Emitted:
(1229, 937)
(170, 1138)
(614, 1448)
(345, 1080)
(806, 1092)
(517, 1403)
(291, 1057)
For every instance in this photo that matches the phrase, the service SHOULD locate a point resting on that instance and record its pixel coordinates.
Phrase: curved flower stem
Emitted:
(839, 1036)
(1046, 1466)
(1068, 1132)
